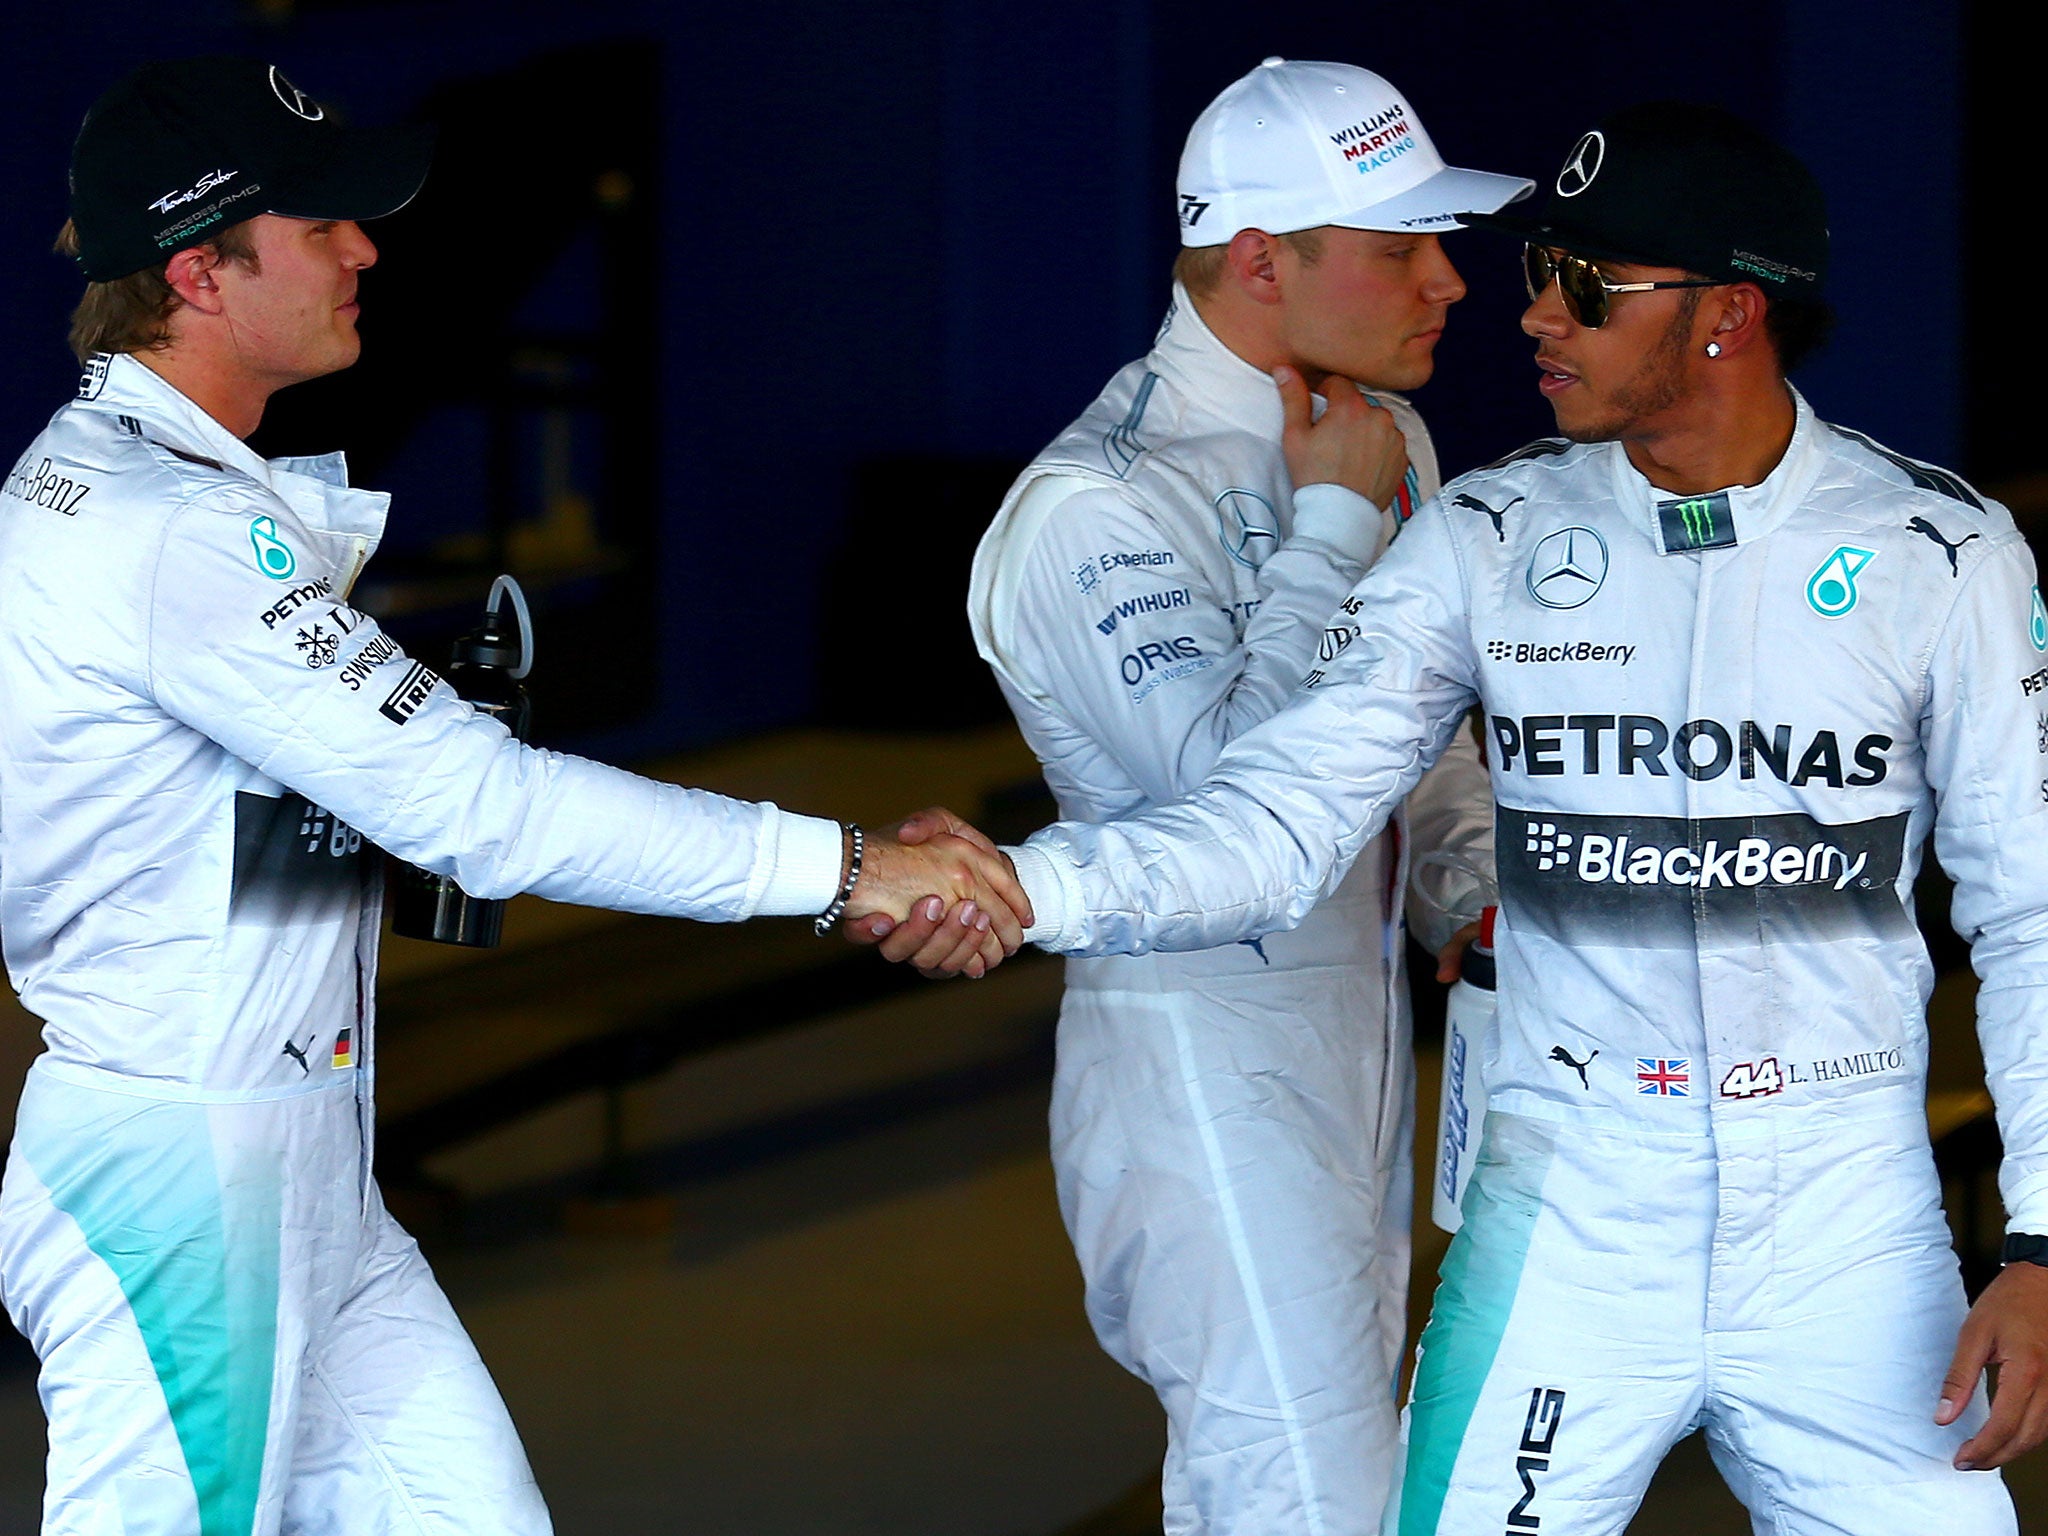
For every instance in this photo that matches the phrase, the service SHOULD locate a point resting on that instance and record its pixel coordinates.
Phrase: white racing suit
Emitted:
(1723, 728)
(199, 742)
(1231, 1130)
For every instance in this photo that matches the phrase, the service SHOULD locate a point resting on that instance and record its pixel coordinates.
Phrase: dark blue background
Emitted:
(933, 227)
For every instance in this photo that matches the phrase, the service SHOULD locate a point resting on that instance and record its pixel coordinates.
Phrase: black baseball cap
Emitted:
(1676, 184)
(183, 148)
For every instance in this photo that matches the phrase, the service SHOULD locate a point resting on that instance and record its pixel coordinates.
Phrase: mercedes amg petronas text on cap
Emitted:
(179, 150)
(1681, 185)
(1297, 145)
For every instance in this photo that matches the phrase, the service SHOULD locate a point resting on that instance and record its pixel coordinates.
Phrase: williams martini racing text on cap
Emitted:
(1297, 145)
(181, 149)
(1672, 184)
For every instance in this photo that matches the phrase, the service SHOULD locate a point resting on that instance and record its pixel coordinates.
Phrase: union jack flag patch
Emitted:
(1663, 1078)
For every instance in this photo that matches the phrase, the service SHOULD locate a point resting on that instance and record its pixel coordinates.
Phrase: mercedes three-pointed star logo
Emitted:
(1582, 164)
(1250, 526)
(300, 104)
(1568, 567)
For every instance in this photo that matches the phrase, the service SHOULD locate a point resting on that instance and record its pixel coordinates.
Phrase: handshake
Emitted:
(937, 893)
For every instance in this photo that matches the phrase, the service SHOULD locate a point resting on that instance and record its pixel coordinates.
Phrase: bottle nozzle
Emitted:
(508, 586)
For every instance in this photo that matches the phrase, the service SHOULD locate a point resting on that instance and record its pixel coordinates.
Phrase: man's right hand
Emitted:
(936, 857)
(1357, 444)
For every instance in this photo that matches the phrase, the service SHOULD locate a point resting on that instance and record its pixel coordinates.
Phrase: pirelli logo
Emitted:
(410, 694)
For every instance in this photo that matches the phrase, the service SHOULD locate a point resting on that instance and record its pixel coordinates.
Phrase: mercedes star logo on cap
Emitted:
(1582, 164)
(294, 98)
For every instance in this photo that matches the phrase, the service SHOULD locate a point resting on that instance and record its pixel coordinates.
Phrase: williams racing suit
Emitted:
(1231, 1130)
(1722, 728)
(200, 740)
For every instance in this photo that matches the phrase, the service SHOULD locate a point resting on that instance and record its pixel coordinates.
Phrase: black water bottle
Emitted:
(485, 668)
(1477, 966)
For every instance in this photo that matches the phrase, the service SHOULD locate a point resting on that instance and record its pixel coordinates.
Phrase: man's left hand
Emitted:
(1450, 960)
(2008, 1328)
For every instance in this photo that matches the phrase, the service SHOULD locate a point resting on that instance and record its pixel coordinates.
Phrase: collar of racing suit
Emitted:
(315, 487)
(1216, 378)
(1755, 509)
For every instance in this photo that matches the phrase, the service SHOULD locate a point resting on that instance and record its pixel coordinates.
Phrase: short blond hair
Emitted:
(1200, 268)
(133, 313)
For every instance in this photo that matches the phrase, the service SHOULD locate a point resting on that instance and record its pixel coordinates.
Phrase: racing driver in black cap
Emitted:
(200, 740)
(1736, 666)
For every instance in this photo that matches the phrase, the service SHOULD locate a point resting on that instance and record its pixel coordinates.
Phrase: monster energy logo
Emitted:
(1696, 522)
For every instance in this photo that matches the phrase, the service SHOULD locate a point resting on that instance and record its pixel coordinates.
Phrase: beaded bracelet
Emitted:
(822, 925)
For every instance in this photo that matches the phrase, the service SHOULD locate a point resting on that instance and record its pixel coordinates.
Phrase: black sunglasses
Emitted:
(1582, 286)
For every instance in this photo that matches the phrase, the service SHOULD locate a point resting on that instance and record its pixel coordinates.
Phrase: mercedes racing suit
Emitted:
(1231, 1130)
(200, 740)
(1722, 729)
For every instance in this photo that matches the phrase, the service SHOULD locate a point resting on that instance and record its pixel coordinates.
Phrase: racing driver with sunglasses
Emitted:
(1736, 665)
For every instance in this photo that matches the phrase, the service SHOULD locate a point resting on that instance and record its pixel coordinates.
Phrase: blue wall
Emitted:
(934, 226)
(1876, 110)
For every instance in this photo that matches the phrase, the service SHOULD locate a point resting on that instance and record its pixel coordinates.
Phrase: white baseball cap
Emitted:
(1296, 145)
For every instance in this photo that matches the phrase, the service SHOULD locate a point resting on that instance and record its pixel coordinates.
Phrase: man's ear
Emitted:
(1734, 317)
(1254, 272)
(193, 276)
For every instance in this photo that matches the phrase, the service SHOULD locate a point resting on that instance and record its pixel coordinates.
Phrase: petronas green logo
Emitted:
(1831, 589)
(2037, 623)
(274, 557)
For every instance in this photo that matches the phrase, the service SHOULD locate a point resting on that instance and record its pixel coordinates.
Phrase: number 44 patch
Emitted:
(1753, 1079)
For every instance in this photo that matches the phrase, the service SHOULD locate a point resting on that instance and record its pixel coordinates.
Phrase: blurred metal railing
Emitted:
(639, 1051)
